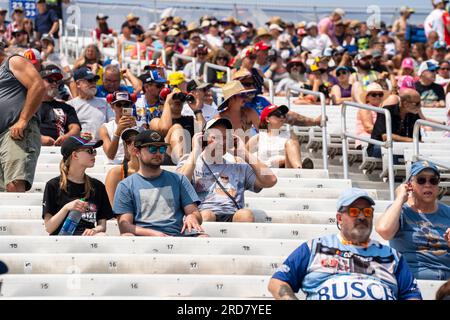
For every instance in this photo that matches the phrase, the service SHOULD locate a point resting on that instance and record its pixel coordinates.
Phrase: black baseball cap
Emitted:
(52, 71)
(74, 143)
(196, 84)
(84, 73)
(3, 268)
(149, 138)
(130, 131)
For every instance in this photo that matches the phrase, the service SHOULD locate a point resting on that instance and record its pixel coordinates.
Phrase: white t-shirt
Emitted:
(111, 127)
(214, 40)
(208, 111)
(321, 42)
(92, 113)
(435, 22)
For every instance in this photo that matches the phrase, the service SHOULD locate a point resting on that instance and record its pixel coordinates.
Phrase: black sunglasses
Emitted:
(423, 180)
(52, 81)
(376, 95)
(339, 73)
(123, 104)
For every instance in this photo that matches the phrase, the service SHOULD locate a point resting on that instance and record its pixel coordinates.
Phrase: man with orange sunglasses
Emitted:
(348, 265)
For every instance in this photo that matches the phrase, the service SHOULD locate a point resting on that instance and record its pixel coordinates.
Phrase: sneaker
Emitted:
(307, 163)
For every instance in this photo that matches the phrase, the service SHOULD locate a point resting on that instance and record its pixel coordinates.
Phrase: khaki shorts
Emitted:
(18, 158)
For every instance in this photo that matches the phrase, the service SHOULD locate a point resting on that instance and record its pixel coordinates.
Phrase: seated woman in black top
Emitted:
(62, 194)
(405, 110)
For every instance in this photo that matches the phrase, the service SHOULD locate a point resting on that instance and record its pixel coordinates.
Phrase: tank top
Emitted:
(345, 93)
(12, 97)
(360, 127)
(111, 128)
(272, 147)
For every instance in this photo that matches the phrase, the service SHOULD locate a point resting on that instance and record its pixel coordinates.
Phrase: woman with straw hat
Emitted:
(374, 96)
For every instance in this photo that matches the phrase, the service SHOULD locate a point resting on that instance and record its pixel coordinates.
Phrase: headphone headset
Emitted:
(111, 96)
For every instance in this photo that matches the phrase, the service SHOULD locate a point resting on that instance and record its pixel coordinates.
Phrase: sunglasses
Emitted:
(354, 212)
(222, 58)
(90, 151)
(445, 68)
(376, 95)
(252, 57)
(247, 84)
(154, 149)
(159, 85)
(423, 180)
(122, 104)
(52, 81)
(278, 114)
(340, 73)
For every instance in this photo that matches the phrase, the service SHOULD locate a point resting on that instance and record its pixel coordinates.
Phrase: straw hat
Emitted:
(193, 27)
(230, 90)
(131, 17)
(262, 32)
(241, 74)
(373, 87)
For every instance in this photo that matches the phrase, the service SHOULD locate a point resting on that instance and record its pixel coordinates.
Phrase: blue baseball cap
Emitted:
(152, 76)
(3, 268)
(84, 73)
(346, 68)
(351, 195)
(440, 45)
(418, 166)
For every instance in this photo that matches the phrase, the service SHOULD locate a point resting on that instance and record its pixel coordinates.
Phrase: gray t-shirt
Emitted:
(12, 97)
(156, 203)
(234, 177)
(92, 113)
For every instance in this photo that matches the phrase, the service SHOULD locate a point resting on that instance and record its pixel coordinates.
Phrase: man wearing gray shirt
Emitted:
(91, 111)
(219, 178)
(21, 91)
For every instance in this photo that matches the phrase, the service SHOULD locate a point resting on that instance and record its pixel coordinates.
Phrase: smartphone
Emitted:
(127, 112)
(193, 233)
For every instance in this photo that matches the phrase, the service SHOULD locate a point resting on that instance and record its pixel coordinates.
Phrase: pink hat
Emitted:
(408, 63)
(406, 82)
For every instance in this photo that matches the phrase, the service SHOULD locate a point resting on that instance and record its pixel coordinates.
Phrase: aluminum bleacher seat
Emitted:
(143, 263)
(161, 285)
(148, 245)
(213, 229)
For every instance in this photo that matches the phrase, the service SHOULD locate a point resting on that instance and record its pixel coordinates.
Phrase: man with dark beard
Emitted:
(348, 265)
(92, 111)
(58, 119)
(155, 202)
(364, 75)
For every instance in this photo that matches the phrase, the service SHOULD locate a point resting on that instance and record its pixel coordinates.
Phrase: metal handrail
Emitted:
(323, 116)
(269, 82)
(115, 45)
(416, 154)
(385, 144)
(216, 67)
(184, 57)
(75, 28)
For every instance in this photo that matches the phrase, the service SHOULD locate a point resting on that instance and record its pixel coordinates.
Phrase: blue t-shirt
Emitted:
(258, 103)
(156, 203)
(43, 22)
(420, 238)
(102, 93)
(327, 269)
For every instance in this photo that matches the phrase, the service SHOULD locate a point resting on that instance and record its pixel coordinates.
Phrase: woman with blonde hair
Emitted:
(75, 190)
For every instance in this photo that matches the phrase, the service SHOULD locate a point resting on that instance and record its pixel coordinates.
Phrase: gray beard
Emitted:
(296, 76)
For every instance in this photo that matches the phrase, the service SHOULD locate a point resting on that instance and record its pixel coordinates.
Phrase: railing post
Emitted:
(217, 67)
(344, 140)
(387, 144)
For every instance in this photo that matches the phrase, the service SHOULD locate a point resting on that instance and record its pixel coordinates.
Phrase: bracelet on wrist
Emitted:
(196, 112)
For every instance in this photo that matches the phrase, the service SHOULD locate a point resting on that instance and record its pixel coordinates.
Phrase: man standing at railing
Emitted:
(46, 21)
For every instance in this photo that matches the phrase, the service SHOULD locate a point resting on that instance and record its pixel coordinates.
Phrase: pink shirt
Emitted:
(326, 22)
(359, 130)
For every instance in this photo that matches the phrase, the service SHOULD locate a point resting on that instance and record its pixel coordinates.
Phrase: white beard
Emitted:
(52, 93)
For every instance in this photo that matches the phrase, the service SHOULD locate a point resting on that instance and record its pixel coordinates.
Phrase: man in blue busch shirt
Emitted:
(348, 265)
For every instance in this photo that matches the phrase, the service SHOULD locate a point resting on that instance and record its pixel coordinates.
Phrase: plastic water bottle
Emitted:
(71, 222)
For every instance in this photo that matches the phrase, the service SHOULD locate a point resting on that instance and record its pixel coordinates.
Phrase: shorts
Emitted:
(224, 217)
(18, 158)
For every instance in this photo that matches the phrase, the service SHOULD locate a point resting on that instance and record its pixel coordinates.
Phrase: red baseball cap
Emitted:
(271, 108)
(33, 55)
(261, 46)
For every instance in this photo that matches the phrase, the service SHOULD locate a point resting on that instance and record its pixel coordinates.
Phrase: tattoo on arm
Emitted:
(285, 292)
